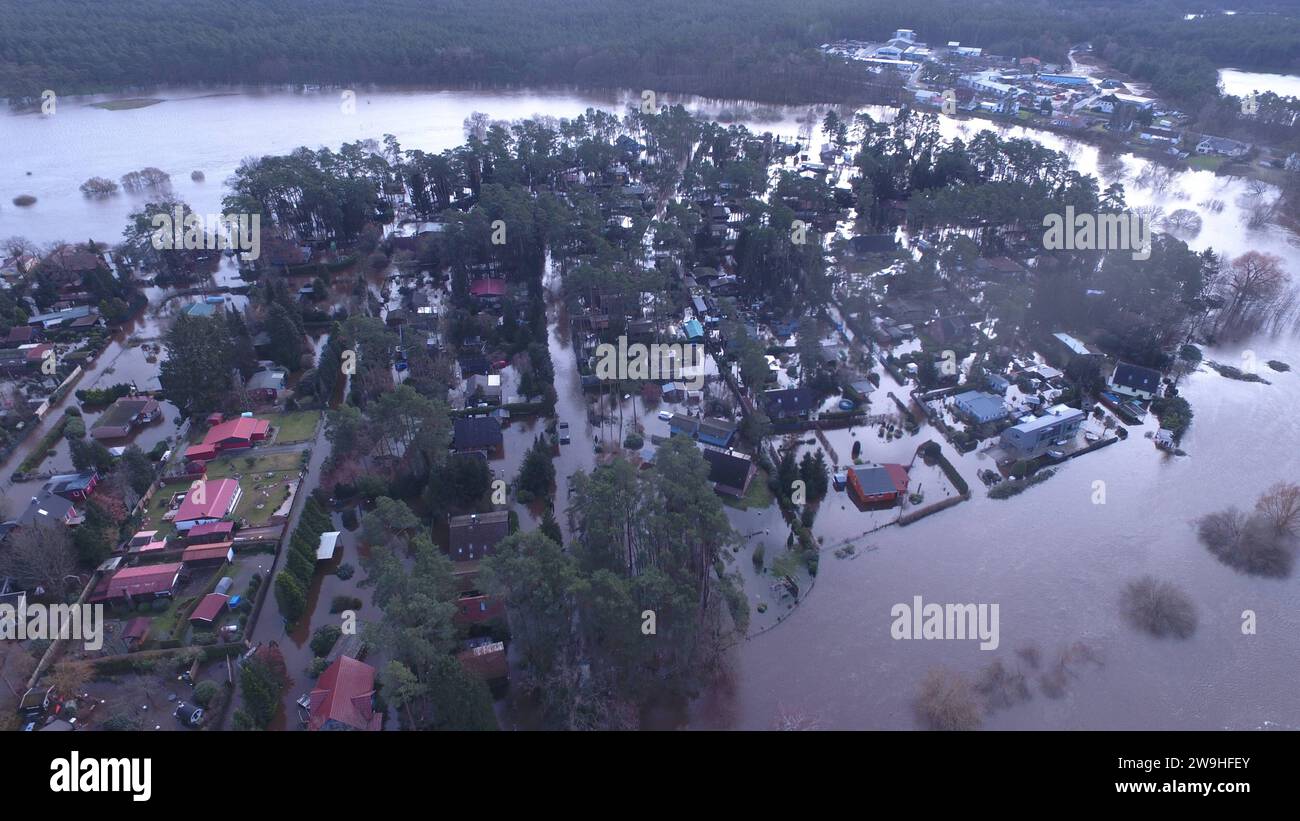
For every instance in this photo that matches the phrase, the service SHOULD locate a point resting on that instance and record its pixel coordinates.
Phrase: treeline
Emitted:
(759, 49)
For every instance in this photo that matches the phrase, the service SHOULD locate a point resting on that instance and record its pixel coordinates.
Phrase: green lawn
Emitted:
(262, 480)
(758, 497)
(292, 427)
(158, 505)
(1205, 162)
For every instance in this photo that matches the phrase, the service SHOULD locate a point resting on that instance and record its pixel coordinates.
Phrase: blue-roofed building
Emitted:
(979, 407)
(1072, 80)
(693, 329)
(716, 432)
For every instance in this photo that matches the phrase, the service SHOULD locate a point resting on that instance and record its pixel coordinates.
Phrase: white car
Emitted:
(665, 415)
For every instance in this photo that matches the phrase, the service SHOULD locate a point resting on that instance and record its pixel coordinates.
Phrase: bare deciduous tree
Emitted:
(1280, 504)
(39, 556)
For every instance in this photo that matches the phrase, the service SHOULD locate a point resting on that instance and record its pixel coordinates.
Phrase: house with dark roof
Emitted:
(788, 403)
(45, 508)
(730, 471)
(75, 487)
(873, 244)
(124, 415)
(716, 432)
(344, 698)
(476, 433)
(475, 536)
(877, 484)
(1135, 381)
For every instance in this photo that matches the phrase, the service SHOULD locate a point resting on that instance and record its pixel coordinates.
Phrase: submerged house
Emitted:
(980, 408)
(1135, 381)
(344, 698)
(730, 471)
(1029, 439)
(877, 484)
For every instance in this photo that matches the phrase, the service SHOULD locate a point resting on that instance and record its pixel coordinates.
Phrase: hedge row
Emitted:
(294, 578)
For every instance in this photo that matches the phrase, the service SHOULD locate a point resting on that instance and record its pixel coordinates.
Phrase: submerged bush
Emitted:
(947, 701)
(1249, 544)
(1158, 608)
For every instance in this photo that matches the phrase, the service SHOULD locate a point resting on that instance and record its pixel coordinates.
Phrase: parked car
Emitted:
(1056, 454)
(665, 415)
(564, 433)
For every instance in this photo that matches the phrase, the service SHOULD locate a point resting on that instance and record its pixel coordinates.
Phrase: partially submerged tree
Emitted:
(1158, 608)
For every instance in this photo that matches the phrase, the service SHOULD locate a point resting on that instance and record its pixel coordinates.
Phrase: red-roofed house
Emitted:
(209, 609)
(211, 533)
(344, 698)
(877, 484)
(488, 288)
(208, 501)
(237, 433)
(149, 581)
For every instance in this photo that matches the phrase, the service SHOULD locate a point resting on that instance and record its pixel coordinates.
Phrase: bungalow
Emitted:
(1135, 381)
(124, 415)
(476, 433)
(25, 357)
(693, 330)
(1221, 146)
(209, 501)
(1067, 348)
(789, 403)
(234, 434)
(65, 317)
(877, 484)
(1030, 439)
(145, 582)
(979, 407)
(475, 536)
(730, 471)
(716, 432)
(20, 335)
(344, 698)
(75, 487)
(47, 508)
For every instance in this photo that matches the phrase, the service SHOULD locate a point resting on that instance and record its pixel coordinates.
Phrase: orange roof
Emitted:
(242, 429)
(343, 695)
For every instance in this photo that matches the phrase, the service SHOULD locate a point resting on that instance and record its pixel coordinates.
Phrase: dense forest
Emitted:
(759, 49)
